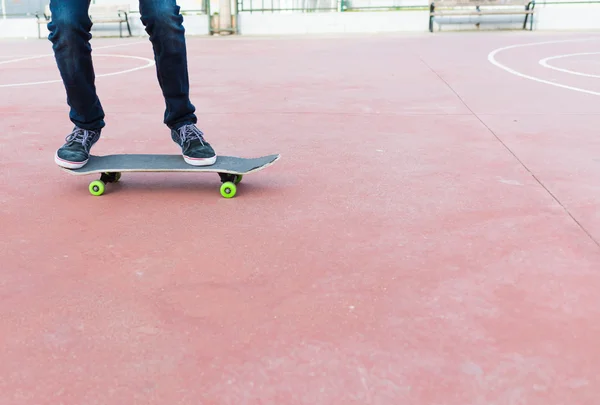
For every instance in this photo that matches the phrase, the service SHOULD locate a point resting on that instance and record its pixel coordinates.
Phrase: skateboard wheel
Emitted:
(238, 179)
(228, 189)
(117, 176)
(97, 187)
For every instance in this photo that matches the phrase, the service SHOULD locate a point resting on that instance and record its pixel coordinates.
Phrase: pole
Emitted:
(225, 15)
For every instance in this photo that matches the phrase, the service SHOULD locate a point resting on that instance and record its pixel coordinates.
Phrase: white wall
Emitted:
(20, 28)
(332, 22)
(548, 17)
(567, 17)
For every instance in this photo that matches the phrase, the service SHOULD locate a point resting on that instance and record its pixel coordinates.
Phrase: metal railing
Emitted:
(275, 6)
(383, 5)
(311, 6)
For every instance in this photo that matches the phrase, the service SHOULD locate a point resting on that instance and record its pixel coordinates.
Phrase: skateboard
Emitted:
(230, 169)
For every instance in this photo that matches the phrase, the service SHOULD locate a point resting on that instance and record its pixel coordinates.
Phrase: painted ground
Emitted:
(429, 236)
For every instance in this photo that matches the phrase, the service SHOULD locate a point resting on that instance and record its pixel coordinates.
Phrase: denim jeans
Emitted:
(70, 35)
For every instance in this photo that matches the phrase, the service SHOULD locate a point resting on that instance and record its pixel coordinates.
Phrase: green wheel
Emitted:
(228, 189)
(238, 179)
(97, 187)
(117, 177)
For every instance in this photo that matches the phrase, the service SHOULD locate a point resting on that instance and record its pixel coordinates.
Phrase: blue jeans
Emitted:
(70, 35)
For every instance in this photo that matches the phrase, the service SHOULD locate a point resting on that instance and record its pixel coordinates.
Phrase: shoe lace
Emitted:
(190, 132)
(82, 136)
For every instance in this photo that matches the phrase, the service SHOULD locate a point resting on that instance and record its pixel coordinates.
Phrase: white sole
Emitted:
(68, 165)
(200, 161)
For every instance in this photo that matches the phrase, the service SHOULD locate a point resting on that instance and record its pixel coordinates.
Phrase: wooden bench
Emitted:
(110, 13)
(444, 8)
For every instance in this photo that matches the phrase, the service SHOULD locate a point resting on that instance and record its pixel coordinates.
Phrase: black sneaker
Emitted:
(75, 153)
(194, 148)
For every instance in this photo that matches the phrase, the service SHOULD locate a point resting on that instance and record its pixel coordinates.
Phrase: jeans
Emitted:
(70, 35)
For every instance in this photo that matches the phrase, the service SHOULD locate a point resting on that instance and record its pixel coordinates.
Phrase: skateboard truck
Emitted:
(97, 187)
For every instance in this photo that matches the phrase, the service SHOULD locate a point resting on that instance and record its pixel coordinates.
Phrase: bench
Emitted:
(444, 8)
(111, 13)
(99, 14)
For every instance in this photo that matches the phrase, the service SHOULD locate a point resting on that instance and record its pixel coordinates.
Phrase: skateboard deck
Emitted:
(231, 169)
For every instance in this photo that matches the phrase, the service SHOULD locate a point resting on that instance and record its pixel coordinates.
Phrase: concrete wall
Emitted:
(14, 7)
(548, 17)
(19, 28)
(332, 22)
(568, 17)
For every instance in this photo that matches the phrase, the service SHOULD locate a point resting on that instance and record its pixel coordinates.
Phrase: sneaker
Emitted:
(194, 148)
(75, 153)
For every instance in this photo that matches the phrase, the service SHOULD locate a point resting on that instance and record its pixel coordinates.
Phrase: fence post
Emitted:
(225, 15)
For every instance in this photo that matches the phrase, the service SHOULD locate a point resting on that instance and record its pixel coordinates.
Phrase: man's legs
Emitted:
(164, 25)
(70, 34)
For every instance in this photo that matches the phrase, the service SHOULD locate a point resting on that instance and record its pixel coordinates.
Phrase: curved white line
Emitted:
(150, 63)
(120, 45)
(4, 62)
(544, 63)
(50, 55)
(493, 61)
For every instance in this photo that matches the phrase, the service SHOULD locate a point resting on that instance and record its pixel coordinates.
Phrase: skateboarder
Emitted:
(70, 34)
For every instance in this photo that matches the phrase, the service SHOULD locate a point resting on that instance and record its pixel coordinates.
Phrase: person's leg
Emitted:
(164, 25)
(70, 34)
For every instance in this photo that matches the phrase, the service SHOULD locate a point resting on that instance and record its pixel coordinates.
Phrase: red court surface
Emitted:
(429, 236)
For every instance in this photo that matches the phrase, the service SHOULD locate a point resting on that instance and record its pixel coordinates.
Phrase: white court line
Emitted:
(544, 63)
(150, 63)
(50, 55)
(22, 59)
(493, 61)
